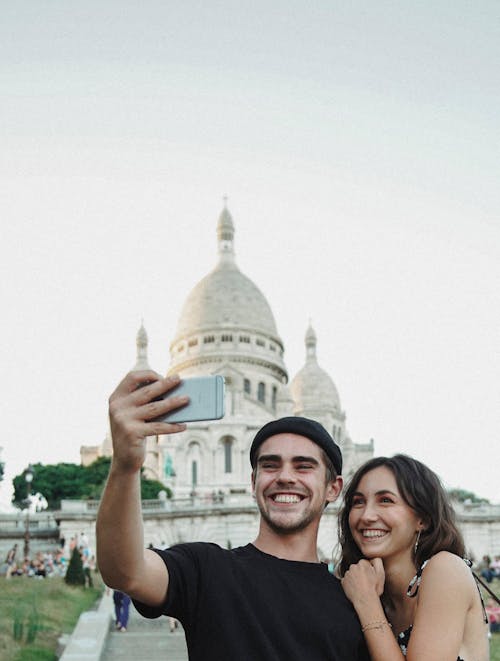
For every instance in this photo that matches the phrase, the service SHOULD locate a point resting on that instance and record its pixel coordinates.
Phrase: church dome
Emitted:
(312, 388)
(226, 320)
(226, 298)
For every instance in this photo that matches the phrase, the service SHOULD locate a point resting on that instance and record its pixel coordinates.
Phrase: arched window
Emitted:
(246, 385)
(193, 460)
(261, 392)
(228, 454)
(273, 399)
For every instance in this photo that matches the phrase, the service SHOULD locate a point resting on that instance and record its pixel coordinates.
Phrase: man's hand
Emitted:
(132, 414)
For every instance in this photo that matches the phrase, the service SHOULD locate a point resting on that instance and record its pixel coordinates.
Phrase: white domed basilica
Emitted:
(227, 327)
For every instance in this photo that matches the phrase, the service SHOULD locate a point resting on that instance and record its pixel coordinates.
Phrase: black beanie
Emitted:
(303, 427)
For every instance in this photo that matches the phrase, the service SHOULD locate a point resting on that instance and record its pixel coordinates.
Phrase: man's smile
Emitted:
(286, 498)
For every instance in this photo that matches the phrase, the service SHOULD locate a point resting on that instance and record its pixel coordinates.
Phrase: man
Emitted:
(266, 601)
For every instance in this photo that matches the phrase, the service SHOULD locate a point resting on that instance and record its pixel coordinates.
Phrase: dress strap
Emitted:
(477, 581)
(415, 581)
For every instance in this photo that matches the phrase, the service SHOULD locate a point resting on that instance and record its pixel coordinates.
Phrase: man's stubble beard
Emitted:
(287, 527)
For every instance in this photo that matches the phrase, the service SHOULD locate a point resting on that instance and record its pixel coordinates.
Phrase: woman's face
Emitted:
(381, 523)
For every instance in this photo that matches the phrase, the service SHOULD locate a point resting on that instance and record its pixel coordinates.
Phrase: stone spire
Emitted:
(311, 342)
(142, 350)
(225, 235)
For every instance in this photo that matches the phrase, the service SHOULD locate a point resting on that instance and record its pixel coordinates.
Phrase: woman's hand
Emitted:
(363, 584)
(364, 581)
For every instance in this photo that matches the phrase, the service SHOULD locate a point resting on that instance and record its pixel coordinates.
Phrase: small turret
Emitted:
(225, 235)
(142, 350)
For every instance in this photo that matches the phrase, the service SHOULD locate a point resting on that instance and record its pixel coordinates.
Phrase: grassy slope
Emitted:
(46, 607)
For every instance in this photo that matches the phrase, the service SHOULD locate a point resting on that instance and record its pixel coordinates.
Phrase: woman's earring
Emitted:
(416, 542)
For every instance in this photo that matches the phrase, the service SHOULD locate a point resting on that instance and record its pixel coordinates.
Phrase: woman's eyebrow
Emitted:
(382, 491)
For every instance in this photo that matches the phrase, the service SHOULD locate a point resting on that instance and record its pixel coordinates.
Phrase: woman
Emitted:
(402, 566)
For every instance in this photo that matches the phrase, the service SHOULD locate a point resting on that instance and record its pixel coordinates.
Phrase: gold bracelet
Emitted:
(375, 625)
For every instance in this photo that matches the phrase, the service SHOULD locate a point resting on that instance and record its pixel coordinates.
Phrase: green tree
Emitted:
(54, 481)
(462, 495)
(151, 488)
(74, 573)
(95, 476)
(73, 481)
(97, 472)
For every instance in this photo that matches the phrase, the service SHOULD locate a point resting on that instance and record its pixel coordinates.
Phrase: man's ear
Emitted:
(334, 489)
(252, 478)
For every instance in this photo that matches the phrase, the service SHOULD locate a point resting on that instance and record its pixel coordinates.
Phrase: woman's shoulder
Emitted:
(447, 561)
(447, 569)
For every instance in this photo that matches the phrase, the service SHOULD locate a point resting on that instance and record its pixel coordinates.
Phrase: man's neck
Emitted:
(299, 546)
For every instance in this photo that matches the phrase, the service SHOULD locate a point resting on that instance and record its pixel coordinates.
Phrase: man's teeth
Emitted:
(374, 533)
(286, 498)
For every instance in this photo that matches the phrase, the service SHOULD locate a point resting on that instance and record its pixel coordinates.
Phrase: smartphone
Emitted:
(206, 400)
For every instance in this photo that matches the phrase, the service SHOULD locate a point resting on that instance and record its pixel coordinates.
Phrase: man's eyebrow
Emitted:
(309, 460)
(268, 457)
(296, 460)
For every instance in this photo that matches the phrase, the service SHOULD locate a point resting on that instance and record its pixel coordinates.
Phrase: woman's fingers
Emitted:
(378, 567)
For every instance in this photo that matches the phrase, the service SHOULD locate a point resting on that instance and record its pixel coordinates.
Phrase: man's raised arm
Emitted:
(123, 561)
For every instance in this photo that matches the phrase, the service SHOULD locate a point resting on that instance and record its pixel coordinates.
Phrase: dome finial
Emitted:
(142, 349)
(311, 342)
(225, 234)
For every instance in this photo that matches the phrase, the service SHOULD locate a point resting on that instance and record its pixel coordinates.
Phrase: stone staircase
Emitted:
(145, 640)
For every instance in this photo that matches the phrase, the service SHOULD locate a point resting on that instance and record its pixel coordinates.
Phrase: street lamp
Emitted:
(28, 476)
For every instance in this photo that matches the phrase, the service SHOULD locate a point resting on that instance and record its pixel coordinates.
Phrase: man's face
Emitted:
(289, 483)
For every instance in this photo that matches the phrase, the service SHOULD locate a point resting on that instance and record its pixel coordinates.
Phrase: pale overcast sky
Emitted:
(359, 145)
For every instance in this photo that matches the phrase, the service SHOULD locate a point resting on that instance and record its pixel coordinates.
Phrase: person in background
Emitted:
(11, 555)
(121, 602)
(485, 570)
(495, 566)
(493, 613)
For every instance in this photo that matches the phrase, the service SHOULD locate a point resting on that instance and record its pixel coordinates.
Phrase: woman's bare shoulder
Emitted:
(447, 567)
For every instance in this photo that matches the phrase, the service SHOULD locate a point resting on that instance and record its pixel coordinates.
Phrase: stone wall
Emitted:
(231, 522)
